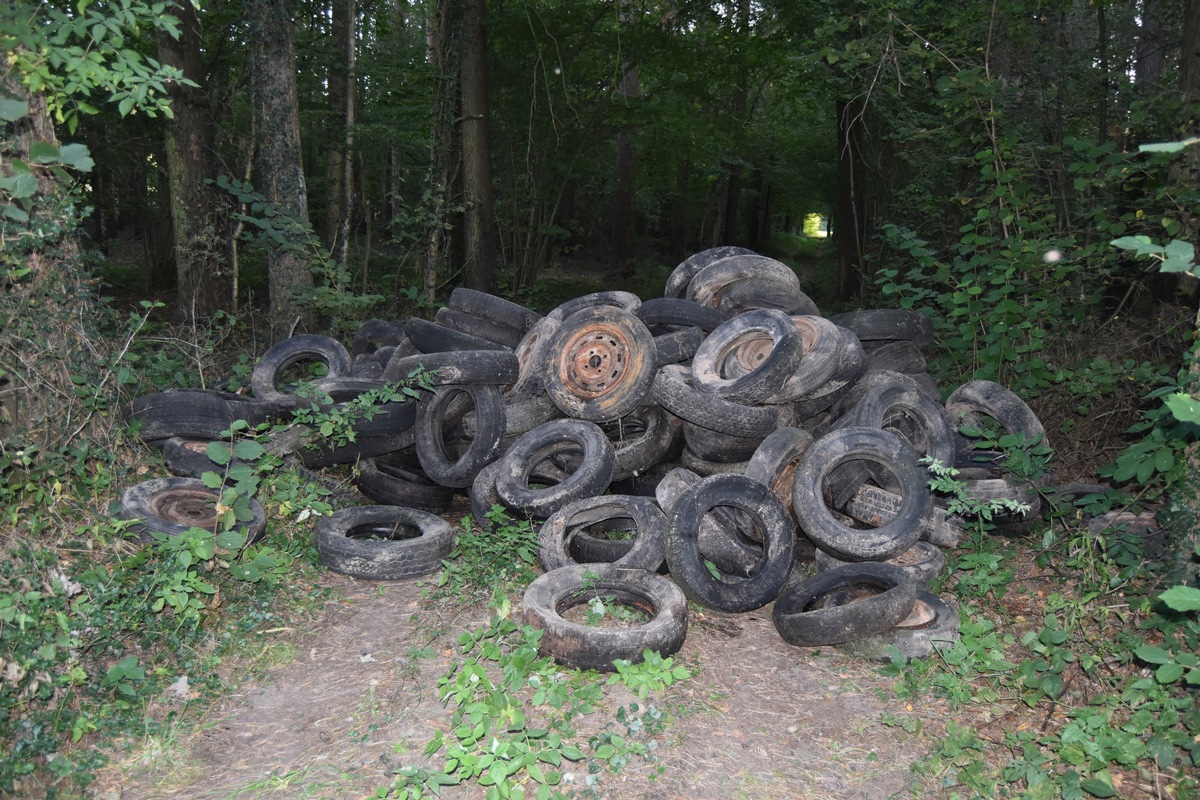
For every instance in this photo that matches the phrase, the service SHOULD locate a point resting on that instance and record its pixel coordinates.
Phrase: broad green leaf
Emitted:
(248, 450)
(76, 156)
(1182, 598)
(1099, 785)
(11, 110)
(218, 453)
(43, 153)
(19, 185)
(211, 479)
(1168, 673)
(1184, 407)
(1152, 655)
(1139, 244)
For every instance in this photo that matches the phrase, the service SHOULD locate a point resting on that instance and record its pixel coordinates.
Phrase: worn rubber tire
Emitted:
(193, 413)
(586, 647)
(823, 345)
(722, 448)
(465, 322)
(755, 293)
(389, 480)
(678, 312)
(877, 447)
(724, 533)
(640, 440)
(677, 282)
(427, 539)
(673, 389)
(875, 324)
(462, 367)
(264, 380)
(613, 298)
(814, 612)
(999, 403)
(774, 462)
(910, 413)
(706, 286)
(600, 364)
(914, 636)
(590, 478)
(642, 514)
(923, 562)
(442, 463)
(904, 357)
(173, 506)
(374, 334)
(748, 359)
(875, 506)
(677, 346)
(685, 559)
(431, 337)
(493, 308)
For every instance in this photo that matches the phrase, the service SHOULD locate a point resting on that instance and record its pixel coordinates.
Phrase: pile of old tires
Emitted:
(707, 445)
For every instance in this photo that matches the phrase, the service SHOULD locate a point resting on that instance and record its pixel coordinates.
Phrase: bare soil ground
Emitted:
(759, 718)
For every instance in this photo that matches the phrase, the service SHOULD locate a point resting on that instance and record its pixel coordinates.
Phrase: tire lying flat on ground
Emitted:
(383, 542)
(173, 506)
(588, 647)
(844, 604)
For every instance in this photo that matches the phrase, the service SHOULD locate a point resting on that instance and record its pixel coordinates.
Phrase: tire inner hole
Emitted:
(383, 531)
(847, 592)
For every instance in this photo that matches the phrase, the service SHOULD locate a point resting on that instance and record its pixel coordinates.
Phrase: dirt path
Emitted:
(759, 719)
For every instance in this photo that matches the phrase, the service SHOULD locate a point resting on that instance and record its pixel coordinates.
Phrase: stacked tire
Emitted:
(707, 445)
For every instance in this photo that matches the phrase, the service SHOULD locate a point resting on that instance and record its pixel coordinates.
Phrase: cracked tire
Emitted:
(383, 543)
(844, 604)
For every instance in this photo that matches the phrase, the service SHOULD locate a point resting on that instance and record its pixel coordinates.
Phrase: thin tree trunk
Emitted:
(202, 251)
(479, 212)
(849, 210)
(281, 175)
(624, 213)
(442, 49)
(733, 189)
(339, 166)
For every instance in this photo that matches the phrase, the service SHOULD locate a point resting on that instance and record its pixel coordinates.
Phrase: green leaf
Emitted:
(218, 453)
(19, 185)
(1152, 655)
(1099, 785)
(1182, 598)
(1183, 407)
(43, 153)
(76, 156)
(248, 450)
(11, 110)
(211, 479)
(1168, 673)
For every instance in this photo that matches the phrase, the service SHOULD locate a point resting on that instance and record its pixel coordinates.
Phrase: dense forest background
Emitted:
(183, 184)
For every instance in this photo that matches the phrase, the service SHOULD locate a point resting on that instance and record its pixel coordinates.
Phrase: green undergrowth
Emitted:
(1074, 675)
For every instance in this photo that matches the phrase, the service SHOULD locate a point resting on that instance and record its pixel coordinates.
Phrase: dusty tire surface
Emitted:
(844, 604)
(748, 358)
(173, 506)
(383, 543)
(640, 516)
(587, 647)
(390, 481)
(600, 364)
(581, 440)
(442, 462)
(932, 625)
(308, 347)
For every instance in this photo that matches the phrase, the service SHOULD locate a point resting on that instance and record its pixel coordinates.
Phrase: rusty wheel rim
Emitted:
(595, 361)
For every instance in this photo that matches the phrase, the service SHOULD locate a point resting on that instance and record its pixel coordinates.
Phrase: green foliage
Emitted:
(512, 730)
(69, 54)
(652, 675)
(486, 564)
(272, 225)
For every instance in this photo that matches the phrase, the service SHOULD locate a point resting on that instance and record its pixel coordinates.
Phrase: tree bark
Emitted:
(442, 54)
(849, 222)
(339, 165)
(733, 188)
(281, 176)
(198, 210)
(479, 212)
(624, 212)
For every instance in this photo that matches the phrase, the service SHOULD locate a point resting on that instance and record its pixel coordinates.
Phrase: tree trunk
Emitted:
(624, 212)
(733, 188)
(201, 245)
(442, 54)
(479, 212)
(281, 176)
(849, 223)
(339, 165)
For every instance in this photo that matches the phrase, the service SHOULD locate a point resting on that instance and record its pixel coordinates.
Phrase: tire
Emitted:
(722, 448)
(852, 365)
(597, 648)
(723, 535)
(464, 322)
(391, 481)
(495, 309)
(267, 374)
(823, 344)
(686, 562)
(641, 514)
(748, 359)
(707, 284)
(193, 413)
(677, 346)
(532, 361)
(904, 357)
(409, 542)
(484, 498)
(932, 625)
(923, 562)
(875, 324)
(430, 337)
(620, 300)
(564, 436)
(911, 414)
(875, 447)
(462, 367)
(640, 440)
(997, 402)
(384, 419)
(880, 379)
(600, 364)
(173, 506)
(754, 293)
(774, 462)
(673, 389)
(844, 604)
(442, 463)
(374, 334)
(874, 506)
(188, 458)
(677, 312)
(677, 282)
